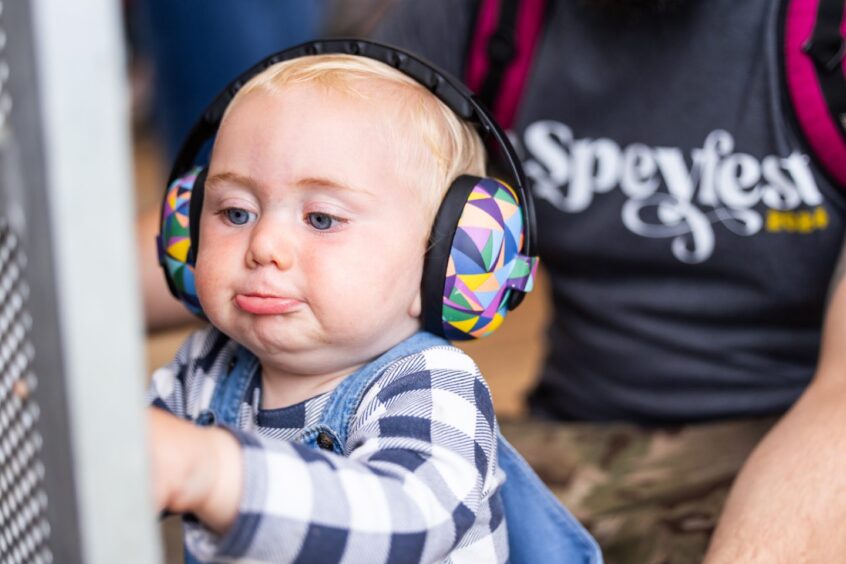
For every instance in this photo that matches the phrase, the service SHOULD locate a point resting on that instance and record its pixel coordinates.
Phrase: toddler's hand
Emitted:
(195, 469)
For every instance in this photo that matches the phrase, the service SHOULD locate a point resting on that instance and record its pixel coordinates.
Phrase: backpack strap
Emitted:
(502, 46)
(814, 73)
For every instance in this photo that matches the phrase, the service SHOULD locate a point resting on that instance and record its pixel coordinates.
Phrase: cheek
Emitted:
(202, 266)
(209, 272)
(358, 281)
(203, 279)
(391, 274)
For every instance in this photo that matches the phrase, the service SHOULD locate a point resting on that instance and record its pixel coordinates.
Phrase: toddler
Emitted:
(326, 175)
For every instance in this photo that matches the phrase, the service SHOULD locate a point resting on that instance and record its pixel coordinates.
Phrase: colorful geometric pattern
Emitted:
(485, 263)
(175, 240)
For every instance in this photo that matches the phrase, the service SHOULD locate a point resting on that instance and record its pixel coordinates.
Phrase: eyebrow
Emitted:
(232, 177)
(332, 184)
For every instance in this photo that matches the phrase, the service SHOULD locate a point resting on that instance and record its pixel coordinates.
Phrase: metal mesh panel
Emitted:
(5, 97)
(53, 466)
(24, 530)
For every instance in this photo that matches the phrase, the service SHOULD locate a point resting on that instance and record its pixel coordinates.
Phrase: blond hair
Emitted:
(449, 146)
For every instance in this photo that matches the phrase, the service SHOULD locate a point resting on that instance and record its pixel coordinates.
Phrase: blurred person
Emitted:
(692, 248)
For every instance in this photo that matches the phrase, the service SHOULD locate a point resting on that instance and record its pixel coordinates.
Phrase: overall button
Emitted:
(325, 441)
(205, 418)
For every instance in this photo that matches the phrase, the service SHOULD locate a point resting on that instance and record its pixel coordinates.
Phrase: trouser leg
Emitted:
(648, 495)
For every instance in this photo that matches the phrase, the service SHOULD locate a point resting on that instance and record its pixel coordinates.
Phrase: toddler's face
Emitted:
(311, 240)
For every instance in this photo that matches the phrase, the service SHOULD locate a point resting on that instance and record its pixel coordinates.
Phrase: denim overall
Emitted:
(540, 529)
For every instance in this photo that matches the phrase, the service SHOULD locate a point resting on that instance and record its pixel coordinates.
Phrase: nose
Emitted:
(270, 244)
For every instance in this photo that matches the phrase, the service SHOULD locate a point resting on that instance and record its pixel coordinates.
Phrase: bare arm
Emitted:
(788, 503)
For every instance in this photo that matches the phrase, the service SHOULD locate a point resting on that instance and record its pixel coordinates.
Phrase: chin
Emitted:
(279, 336)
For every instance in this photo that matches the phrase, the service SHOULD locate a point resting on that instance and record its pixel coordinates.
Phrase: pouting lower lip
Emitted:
(266, 305)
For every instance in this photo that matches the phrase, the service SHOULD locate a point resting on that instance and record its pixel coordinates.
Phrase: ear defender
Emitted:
(474, 261)
(480, 261)
(179, 230)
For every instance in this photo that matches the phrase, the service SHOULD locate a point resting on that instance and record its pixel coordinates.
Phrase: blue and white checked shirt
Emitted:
(418, 482)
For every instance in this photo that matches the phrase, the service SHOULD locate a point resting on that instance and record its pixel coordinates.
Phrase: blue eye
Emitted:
(320, 221)
(237, 216)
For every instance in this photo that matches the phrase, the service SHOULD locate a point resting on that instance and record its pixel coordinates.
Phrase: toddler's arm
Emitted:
(419, 474)
(195, 469)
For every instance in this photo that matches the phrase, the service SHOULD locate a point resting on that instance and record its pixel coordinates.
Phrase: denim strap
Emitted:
(229, 391)
(346, 397)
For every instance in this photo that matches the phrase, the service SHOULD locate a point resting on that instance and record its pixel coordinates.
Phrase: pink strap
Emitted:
(806, 96)
(527, 30)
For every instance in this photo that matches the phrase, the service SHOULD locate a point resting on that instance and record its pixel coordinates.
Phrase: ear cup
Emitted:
(475, 259)
(179, 234)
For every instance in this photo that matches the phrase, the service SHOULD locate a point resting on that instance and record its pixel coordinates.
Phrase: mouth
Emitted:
(261, 304)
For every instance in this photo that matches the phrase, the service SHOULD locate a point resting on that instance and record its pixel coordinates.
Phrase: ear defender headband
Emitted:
(481, 259)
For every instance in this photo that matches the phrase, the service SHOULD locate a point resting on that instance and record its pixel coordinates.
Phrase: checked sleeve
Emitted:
(185, 386)
(419, 481)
